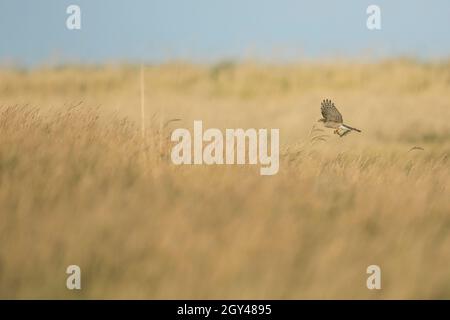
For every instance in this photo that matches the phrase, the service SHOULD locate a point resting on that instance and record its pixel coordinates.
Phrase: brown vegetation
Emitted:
(79, 184)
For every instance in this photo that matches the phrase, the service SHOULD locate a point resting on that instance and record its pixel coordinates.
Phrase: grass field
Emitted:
(79, 184)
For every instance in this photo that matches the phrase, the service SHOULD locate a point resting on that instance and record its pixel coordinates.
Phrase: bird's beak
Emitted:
(319, 120)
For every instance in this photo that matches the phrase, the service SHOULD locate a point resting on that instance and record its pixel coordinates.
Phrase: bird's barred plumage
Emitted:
(332, 118)
(330, 112)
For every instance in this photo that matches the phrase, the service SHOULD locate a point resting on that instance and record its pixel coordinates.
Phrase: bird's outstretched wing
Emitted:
(330, 112)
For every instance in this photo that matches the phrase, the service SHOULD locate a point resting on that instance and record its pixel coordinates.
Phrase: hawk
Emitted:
(332, 118)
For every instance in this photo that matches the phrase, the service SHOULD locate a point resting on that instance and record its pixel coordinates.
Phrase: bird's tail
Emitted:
(351, 128)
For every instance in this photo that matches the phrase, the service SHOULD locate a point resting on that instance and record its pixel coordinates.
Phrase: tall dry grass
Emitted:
(80, 184)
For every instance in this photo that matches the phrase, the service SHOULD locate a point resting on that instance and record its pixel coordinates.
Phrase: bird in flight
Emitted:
(332, 118)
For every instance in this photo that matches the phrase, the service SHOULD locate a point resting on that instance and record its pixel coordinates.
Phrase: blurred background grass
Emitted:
(80, 185)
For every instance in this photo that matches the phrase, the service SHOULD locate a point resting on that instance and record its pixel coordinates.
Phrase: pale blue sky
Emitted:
(34, 32)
